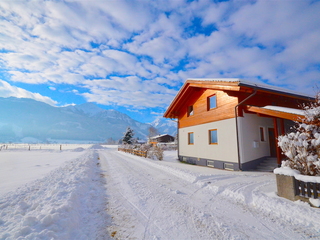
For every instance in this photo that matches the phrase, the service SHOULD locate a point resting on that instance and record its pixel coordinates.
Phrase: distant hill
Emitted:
(22, 118)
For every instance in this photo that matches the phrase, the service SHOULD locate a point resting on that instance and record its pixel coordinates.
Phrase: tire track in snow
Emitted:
(174, 218)
(122, 201)
(193, 204)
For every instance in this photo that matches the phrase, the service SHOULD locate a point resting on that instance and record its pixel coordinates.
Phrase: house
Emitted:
(164, 138)
(231, 123)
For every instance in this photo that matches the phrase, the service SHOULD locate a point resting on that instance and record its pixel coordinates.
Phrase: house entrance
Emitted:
(272, 142)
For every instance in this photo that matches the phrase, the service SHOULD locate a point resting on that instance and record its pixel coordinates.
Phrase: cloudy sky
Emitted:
(133, 56)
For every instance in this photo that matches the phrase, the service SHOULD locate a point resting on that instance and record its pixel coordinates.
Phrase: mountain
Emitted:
(165, 126)
(22, 118)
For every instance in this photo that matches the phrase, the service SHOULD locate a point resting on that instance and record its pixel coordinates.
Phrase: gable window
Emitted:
(190, 138)
(190, 110)
(262, 134)
(213, 136)
(212, 102)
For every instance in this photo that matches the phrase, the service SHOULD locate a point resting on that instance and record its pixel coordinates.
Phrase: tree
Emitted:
(153, 131)
(111, 141)
(128, 135)
(302, 146)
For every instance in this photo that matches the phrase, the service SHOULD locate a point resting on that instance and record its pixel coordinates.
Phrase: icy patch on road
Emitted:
(68, 203)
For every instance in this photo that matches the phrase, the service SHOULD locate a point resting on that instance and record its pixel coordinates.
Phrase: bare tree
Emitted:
(153, 131)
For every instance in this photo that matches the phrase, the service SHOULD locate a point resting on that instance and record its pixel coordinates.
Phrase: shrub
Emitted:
(302, 146)
(155, 153)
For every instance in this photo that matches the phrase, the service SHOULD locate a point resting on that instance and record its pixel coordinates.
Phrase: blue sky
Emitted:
(133, 56)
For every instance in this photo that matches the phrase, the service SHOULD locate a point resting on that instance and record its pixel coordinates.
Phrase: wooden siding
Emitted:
(224, 109)
(226, 102)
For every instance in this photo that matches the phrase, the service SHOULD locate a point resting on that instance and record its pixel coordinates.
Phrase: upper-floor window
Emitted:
(213, 136)
(190, 110)
(212, 102)
(190, 138)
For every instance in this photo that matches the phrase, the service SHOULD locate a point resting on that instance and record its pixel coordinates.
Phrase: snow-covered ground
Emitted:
(98, 193)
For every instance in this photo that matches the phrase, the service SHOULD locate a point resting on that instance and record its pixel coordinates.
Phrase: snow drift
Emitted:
(66, 204)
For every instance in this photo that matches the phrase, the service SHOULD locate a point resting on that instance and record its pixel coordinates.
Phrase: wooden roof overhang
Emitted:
(192, 86)
(236, 85)
(274, 113)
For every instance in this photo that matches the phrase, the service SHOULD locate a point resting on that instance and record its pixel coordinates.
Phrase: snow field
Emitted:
(68, 203)
(98, 192)
(20, 166)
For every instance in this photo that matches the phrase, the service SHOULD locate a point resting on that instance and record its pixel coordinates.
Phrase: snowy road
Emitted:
(161, 200)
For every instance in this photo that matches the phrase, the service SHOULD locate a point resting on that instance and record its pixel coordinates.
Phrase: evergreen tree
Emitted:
(128, 135)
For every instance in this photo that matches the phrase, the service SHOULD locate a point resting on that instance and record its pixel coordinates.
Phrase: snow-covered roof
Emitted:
(279, 112)
(285, 110)
(160, 136)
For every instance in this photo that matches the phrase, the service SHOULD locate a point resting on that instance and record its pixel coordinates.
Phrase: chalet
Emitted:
(164, 138)
(231, 123)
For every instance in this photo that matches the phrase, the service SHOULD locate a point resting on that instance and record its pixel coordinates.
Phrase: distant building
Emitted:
(231, 123)
(164, 138)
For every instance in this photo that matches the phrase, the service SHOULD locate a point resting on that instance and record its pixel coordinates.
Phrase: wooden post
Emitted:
(276, 134)
(282, 126)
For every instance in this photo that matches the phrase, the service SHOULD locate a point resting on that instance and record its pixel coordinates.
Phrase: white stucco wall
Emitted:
(249, 131)
(225, 150)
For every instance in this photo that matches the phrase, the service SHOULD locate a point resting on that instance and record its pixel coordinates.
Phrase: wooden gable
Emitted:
(230, 93)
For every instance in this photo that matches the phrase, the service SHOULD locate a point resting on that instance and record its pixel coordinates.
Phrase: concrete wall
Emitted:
(251, 147)
(225, 150)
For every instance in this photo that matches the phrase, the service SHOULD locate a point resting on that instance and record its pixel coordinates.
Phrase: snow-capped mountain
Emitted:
(165, 126)
(22, 118)
(89, 109)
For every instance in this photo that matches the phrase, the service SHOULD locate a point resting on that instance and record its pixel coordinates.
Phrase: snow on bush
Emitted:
(302, 146)
(153, 152)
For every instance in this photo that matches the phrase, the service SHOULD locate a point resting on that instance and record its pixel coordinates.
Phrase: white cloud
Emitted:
(7, 90)
(128, 91)
(139, 53)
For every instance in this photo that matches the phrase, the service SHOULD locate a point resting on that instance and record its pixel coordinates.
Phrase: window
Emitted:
(212, 102)
(190, 110)
(190, 138)
(262, 134)
(213, 136)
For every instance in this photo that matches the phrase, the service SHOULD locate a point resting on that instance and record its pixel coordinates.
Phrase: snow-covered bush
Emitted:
(302, 146)
(145, 147)
(155, 153)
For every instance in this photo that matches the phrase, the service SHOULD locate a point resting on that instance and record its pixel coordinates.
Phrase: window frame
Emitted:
(262, 134)
(209, 102)
(190, 111)
(189, 138)
(209, 132)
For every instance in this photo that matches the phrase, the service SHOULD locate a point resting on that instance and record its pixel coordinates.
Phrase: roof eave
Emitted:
(198, 83)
